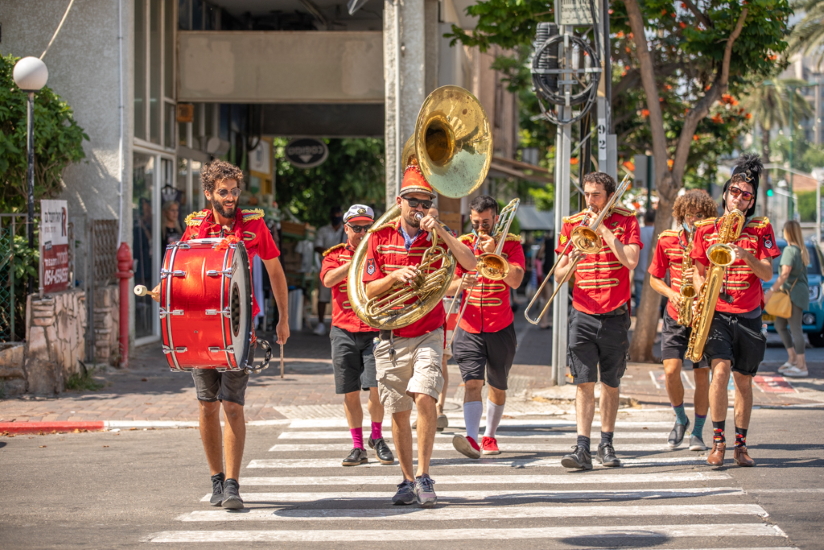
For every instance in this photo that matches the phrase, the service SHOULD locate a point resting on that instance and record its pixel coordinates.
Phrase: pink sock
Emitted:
(376, 430)
(357, 437)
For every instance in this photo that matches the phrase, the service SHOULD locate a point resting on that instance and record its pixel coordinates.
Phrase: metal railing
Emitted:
(12, 291)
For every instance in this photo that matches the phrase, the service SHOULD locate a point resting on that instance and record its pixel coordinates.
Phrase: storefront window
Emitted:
(139, 69)
(143, 223)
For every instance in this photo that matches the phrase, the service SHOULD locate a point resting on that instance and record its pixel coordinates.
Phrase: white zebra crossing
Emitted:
(501, 461)
(331, 423)
(568, 436)
(517, 448)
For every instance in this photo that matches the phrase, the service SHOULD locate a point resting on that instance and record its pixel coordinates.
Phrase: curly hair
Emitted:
(694, 200)
(218, 170)
(602, 178)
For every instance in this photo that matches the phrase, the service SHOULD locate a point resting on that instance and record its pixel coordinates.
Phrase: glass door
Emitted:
(143, 222)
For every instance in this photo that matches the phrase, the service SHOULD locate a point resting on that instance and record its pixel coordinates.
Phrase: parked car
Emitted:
(812, 319)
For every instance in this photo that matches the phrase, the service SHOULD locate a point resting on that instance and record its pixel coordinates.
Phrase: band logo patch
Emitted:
(768, 242)
(370, 266)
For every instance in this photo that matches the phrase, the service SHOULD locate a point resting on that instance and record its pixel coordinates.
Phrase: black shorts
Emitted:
(213, 385)
(492, 352)
(598, 343)
(353, 360)
(738, 340)
(675, 339)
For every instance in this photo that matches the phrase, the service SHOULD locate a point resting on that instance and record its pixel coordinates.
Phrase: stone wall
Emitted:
(12, 373)
(107, 325)
(55, 329)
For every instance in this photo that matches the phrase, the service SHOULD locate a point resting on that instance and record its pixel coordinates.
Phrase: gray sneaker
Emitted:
(405, 494)
(217, 489)
(425, 491)
(443, 422)
(697, 444)
(231, 495)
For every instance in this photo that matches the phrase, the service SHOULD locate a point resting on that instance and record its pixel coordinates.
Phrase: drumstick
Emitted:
(281, 361)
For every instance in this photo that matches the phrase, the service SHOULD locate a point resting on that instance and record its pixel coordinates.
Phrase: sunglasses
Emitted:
(414, 203)
(359, 228)
(223, 193)
(746, 195)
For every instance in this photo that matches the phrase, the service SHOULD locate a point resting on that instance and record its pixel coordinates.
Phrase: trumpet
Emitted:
(585, 239)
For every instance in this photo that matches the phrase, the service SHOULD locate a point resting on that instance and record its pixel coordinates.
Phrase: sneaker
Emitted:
(356, 457)
(785, 366)
(490, 446)
(676, 436)
(606, 456)
(443, 422)
(466, 446)
(217, 489)
(405, 494)
(320, 330)
(795, 372)
(385, 456)
(697, 444)
(425, 491)
(579, 459)
(231, 495)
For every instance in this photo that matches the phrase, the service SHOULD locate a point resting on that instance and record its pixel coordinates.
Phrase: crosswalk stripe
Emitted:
(500, 435)
(555, 532)
(508, 480)
(452, 513)
(511, 494)
(464, 462)
(519, 448)
(320, 423)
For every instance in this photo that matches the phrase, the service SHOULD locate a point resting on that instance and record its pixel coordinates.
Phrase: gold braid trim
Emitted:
(622, 210)
(195, 218)
(512, 237)
(704, 222)
(250, 214)
(384, 226)
(333, 248)
(759, 222)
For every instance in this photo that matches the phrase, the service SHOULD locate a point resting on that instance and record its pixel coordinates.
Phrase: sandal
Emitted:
(785, 366)
(795, 372)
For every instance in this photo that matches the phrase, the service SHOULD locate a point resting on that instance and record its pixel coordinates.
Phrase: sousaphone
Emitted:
(452, 146)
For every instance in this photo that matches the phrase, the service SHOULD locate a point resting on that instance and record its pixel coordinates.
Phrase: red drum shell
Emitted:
(206, 306)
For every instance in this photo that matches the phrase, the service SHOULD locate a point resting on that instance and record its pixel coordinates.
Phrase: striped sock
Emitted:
(357, 437)
(740, 437)
(680, 414)
(718, 432)
(698, 427)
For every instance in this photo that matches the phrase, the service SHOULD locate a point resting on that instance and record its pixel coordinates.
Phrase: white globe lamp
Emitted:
(30, 74)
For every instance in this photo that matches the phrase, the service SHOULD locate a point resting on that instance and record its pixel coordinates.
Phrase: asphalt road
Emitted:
(136, 488)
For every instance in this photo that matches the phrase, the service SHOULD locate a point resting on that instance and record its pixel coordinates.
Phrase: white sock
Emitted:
(493, 418)
(472, 417)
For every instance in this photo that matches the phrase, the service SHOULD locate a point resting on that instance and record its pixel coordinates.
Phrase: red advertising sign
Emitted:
(54, 246)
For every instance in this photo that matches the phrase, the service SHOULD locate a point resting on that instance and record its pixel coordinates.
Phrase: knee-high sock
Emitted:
(493, 418)
(472, 417)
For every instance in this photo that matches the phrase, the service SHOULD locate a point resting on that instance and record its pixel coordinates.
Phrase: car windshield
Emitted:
(813, 268)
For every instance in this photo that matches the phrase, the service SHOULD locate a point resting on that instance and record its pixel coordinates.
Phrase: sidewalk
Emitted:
(149, 393)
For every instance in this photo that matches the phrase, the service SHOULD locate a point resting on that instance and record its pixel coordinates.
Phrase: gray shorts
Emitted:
(212, 385)
(353, 360)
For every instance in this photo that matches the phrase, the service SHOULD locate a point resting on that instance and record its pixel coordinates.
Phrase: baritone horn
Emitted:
(585, 239)
(452, 146)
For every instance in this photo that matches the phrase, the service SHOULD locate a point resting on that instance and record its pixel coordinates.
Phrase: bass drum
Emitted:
(206, 307)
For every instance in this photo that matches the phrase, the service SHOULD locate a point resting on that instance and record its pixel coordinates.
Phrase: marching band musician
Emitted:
(221, 185)
(599, 318)
(485, 341)
(670, 252)
(409, 359)
(352, 348)
(735, 341)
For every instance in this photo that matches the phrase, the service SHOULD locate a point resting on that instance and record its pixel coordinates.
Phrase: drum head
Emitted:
(240, 307)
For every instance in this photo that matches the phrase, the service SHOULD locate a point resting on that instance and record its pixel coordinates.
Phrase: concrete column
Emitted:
(404, 53)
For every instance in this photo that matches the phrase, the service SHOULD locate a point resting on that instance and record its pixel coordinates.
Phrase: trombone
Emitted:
(586, 240)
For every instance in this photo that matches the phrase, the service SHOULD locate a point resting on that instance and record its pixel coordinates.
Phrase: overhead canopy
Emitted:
(532, 219)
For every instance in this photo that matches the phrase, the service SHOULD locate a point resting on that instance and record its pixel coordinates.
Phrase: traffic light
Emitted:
(770, 192)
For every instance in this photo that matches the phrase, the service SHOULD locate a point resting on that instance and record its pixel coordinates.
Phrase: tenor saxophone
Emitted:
(720, 255)
(687, 289)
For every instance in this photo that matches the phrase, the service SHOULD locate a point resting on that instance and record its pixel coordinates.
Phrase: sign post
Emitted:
(54, 247)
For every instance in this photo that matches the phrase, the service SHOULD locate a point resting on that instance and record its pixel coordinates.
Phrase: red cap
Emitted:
(414, 182)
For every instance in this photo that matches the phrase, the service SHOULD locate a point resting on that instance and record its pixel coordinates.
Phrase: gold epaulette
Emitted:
(622, 210)
(706, 221)
(250, 214)
(759, 222)
(384, 226)
(195, 218)
(333, 248)
(466, 238)
(668, 233)
(575, 217)
(513, 237)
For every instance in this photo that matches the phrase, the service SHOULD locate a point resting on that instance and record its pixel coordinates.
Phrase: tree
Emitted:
(808, 35)
(58, 141)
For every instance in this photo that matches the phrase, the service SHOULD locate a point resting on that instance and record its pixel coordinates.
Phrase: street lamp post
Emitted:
(30, 74)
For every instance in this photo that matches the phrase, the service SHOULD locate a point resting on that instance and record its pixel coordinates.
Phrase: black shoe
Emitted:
(385, 456)
(676, 436)
(606, 456)
(231, 495)
(356, 457)
(217, 489)
(579, 459)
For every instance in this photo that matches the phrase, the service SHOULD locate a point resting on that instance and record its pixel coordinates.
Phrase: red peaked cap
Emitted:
(414, 182)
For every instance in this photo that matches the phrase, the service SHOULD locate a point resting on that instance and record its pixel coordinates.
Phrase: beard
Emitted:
(413, 221)
(225, 212)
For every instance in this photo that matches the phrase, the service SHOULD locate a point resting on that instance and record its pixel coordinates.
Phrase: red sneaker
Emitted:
(466, 446)
(490, 446)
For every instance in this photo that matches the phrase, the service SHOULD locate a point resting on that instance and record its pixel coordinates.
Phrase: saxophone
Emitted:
(687, 289)
(720, 256)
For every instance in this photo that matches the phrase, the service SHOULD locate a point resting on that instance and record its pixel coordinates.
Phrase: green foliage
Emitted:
(806, 205)
(58, 141)
(808, 35)
(806, 155)
(353, 173)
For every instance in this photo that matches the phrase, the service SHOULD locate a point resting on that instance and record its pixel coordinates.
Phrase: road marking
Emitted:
(654, 377)
(464, 462)
(522, 448)
(562, 479)
(687, 380)
(556, 532)
(500, 435)
(512, 494)
(508, 422)
(793, 490)
(480, 512)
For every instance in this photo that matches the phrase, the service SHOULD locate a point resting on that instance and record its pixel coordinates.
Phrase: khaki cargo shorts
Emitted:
(416, 368)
